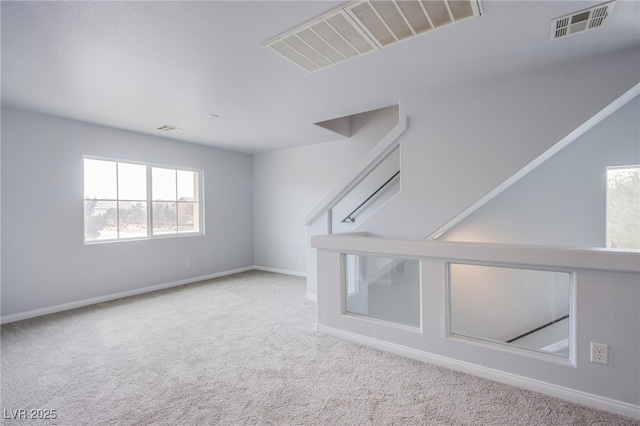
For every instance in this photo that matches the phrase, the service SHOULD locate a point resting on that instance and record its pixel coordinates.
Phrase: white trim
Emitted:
(280, 271)
(311, 297)
(106, 298)
(567, 394)
(492, 254)
(364, 167)
(94, 300)
(581, 130)
(624, 166)
(514, 350)
(148, 201)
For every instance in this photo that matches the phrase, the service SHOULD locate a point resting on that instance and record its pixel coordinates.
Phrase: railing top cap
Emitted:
(565, 258)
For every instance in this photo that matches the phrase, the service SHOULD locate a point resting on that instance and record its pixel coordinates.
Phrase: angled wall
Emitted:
(464, 142)
(563, 201)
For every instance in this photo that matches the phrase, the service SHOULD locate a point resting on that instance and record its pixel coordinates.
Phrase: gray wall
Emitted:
(463, 142)
(44, 260)
(563, 201)
(289, 183)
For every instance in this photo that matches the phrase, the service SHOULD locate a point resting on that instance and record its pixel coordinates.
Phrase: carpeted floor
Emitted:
(240, 350)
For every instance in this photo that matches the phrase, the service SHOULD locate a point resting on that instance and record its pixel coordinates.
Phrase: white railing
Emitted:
(604, 299)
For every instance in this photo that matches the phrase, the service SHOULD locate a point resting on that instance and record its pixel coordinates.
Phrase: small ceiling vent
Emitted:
(169, 128)
(365, 26)
(583, 20)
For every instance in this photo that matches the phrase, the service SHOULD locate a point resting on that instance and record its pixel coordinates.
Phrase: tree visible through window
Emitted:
(623, 207)
(117, 197)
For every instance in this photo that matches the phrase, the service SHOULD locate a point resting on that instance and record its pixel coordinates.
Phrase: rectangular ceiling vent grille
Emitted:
(365, 26)
(583, 20)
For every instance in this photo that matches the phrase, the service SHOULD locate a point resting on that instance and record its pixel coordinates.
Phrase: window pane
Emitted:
(133, 219)
(100, 220)
(164, 218)
(132, 181)
(187, 185)
(163, 184)
(100, 179)
(623, 207)
(383, 288)
(119, 205)
(187, 217)
(521, 307)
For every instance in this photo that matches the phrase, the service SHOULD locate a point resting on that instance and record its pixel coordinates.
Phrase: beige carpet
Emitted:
(241, 350)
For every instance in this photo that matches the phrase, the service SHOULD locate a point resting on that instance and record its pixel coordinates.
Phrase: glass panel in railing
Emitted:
(521, 307)
(383, 287)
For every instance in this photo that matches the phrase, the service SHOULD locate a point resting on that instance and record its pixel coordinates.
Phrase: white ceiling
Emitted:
(139, 65)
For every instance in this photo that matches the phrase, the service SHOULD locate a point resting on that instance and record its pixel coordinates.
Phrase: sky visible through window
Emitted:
(120, 201)
(100, 181)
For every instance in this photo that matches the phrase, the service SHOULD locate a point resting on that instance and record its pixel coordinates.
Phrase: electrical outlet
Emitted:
(187, 264)
(599, 353)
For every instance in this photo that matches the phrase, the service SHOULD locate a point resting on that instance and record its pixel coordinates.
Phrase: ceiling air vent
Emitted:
(583, 20)
(365, 26)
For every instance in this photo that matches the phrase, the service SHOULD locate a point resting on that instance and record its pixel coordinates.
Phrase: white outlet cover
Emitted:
(599, 353)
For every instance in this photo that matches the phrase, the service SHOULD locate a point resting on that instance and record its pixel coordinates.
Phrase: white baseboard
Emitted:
(280, 271)
(567, 394)
(92, 301)
(308, 296)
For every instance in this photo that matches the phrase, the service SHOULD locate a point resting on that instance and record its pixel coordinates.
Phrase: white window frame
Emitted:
(149, 202)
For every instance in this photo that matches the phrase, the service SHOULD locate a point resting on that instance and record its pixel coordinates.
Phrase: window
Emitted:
(623, 207)
(383, 288)
(124, 200)
(526, 308)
